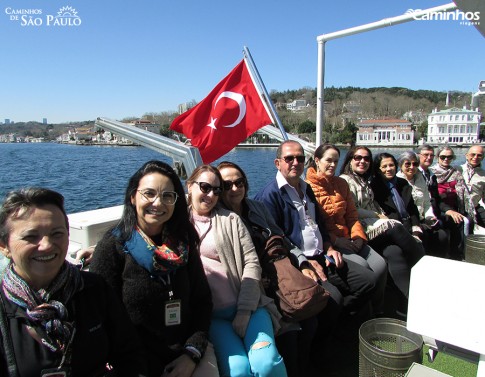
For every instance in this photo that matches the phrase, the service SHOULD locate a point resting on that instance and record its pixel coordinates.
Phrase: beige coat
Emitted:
(238, 255)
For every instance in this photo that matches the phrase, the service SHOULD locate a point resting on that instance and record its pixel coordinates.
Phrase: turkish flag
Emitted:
(231, 112)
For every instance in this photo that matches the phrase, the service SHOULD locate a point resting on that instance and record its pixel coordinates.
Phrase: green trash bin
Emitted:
(387, 348)
(475, 249)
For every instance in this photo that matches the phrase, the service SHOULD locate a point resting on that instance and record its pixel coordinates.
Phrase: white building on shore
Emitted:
(454, 125)
(385, 132)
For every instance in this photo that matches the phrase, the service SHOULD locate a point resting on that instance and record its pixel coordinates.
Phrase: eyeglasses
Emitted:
(414, 163)
(358, 157)
(477, 155)
(290, 159)
(239, 183)
(206, 188)
(427, 155)
(166, 197)
(446, 157)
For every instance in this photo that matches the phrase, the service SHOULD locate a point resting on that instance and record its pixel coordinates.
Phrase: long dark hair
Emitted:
(319, 152)
(178, 226)
(377, 163)
(346, 166)
(16, 203)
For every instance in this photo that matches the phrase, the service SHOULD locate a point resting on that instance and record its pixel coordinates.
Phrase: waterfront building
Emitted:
(385, 132)
(296, 105)
(146, 125)
(454, 125)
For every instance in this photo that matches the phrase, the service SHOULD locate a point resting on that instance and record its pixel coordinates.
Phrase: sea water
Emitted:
(92, 177)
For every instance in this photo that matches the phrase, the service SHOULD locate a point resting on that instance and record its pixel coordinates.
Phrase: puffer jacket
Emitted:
(334, 196)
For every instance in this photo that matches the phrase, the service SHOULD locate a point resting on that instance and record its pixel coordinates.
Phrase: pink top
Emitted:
(223, 293)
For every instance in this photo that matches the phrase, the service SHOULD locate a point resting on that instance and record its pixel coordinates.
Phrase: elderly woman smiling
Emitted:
(435, 238)
(55, 319)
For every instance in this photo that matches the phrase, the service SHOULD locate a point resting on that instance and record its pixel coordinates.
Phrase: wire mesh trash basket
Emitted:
(387, 348)
(475, 249)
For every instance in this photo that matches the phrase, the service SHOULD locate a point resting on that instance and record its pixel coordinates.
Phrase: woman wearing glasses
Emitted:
(434, 238)
(341, 219)
(455, 204)
(243, 317)
(388, 237)
(151, 259)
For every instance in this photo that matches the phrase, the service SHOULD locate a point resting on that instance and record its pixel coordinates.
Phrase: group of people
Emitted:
(176, 287)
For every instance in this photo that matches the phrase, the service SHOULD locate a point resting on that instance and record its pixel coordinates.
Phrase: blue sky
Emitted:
(130, 58)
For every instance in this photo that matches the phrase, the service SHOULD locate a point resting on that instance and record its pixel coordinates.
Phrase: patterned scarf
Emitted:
(158, 260)
(443, 175)
(46, 307)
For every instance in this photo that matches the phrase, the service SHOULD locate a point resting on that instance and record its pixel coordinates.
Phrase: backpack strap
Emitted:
(6, 342)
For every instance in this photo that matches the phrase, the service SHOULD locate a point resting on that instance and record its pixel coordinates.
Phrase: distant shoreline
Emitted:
(265, 145)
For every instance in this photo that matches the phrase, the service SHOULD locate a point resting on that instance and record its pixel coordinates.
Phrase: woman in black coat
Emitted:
(395, 194)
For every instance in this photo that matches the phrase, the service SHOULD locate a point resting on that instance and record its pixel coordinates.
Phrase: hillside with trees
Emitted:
(344, 108)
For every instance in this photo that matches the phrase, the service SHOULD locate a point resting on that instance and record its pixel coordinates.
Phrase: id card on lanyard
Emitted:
(173, 308)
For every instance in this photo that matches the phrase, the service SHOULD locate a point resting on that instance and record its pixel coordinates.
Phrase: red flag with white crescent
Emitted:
(231, 112)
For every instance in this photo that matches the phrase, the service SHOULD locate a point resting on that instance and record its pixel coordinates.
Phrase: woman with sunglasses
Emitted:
(341, 219)
(151, 259)
(243, 317)
(435, 238)
(457, 210)
(388, 237)
(294, 346)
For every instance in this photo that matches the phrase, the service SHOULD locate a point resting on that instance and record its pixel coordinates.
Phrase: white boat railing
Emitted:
(186, 155)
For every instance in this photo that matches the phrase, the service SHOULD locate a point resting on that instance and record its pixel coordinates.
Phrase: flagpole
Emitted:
(263, 92)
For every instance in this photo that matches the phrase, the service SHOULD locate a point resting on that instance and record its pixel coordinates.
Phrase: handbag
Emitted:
(297, 296)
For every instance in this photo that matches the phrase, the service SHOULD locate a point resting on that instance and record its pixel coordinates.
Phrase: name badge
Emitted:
(173, 313)
(55, 372)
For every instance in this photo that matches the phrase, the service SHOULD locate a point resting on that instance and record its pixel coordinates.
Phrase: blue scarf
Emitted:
(397, 199)
(158, 260)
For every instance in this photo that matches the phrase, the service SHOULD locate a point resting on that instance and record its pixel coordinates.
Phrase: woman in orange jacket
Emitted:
(341, 219)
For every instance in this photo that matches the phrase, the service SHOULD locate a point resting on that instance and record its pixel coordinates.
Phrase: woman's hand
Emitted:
(456, 216)
(182, 366)
(317, 267)
(309, 273)
(241, 321)
(382, 216)
(86, 254)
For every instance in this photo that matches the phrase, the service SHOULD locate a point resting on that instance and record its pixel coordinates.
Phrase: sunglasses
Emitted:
(239, 183)
(414, 163)
(290, 159)
(443, 157)
(207, 188)
(358, 157)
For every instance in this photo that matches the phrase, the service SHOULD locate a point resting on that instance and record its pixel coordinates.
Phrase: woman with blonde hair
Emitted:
(244, 319)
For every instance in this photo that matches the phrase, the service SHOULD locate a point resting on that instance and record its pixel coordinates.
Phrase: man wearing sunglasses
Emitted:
(474, 177)
(295, 209)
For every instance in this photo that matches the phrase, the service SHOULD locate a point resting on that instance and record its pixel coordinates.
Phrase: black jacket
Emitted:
(103, 335)
(383, 196)
(145, 297)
